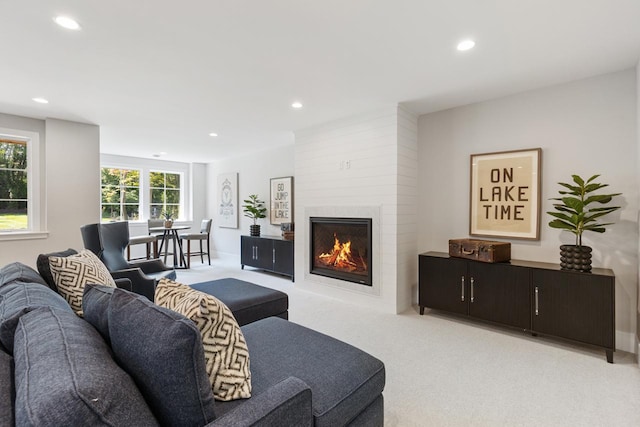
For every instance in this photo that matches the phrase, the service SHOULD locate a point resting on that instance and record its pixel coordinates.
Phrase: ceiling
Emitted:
(159, 75)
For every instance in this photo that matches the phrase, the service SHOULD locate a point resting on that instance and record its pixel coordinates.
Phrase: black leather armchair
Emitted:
(108, 242)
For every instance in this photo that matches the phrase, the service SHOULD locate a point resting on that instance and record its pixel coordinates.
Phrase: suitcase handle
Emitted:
(466, 252)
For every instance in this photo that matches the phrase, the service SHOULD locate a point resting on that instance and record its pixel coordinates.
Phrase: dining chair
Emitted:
(203, 235)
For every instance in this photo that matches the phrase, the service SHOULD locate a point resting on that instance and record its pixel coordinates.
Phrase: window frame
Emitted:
(36, 216)
(146, 166)
(140, 195)
(181, 188)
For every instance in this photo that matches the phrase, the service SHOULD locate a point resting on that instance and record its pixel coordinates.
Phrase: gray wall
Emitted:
(71, 181)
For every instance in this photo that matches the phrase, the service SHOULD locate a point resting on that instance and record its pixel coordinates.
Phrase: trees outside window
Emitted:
(120, 194)
(14, 196)
(165, 194)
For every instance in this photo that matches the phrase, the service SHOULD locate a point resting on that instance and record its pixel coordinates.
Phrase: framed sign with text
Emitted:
(281, 200)
(505, 194)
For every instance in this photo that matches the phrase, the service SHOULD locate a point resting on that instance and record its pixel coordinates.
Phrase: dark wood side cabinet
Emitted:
(270, 253)
(536, 297)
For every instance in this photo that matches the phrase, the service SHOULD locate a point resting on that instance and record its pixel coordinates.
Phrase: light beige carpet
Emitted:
(447, 371)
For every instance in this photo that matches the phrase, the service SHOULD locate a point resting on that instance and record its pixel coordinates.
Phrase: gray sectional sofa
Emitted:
(131, 362)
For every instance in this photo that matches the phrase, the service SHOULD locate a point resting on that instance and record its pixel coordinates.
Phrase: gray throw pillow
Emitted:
(95, 308)
(162, 351)
(19, 299)
(65, 375)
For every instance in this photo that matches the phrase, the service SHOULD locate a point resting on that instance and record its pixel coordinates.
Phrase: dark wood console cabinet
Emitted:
(536, 297)
(270, 253)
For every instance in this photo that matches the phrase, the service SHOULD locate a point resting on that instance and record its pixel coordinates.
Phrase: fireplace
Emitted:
(341, 248)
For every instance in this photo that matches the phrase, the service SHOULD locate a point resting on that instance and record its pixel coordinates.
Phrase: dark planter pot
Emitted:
(576, 258)
(254, 230)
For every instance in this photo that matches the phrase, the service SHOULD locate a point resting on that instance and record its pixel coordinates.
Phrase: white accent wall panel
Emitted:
(362, 161)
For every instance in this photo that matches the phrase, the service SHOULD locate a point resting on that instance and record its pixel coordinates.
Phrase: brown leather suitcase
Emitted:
(480, 250)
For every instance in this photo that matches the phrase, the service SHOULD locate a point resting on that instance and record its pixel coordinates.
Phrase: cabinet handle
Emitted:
(472, 289)
(536, 292)
(462, 287)
(274, 256)
(255, 252)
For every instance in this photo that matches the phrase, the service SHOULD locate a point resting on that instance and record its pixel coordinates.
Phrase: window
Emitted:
(120, 190)
(165, 194)
(14, 193)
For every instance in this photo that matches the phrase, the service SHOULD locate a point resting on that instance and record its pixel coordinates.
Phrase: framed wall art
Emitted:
(281, 200)
(505, 194)
(228, 200)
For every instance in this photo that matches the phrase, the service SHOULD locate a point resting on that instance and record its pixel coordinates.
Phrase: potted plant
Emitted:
(254, 209)
(575, 213)
(168, 219)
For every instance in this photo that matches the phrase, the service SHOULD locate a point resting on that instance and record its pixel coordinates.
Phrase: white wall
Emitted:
(585, 127)
(71, 190)
(254, 174)
(376, 146)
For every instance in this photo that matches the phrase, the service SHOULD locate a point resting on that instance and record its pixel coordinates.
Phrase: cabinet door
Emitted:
(264, 253)
(577, 306)
(500, 293)
(443, 285)
(247, 251)
(283, 257)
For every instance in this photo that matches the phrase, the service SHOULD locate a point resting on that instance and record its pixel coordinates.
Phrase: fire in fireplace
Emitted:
(341, 248)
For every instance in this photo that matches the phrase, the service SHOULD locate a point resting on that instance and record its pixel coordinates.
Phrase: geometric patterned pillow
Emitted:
(225, 349)
(73, 272)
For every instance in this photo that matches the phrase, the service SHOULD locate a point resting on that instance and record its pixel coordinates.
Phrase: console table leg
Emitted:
(609, 356)
(421, 310)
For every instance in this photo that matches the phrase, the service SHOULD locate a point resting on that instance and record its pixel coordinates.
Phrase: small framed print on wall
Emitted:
(228, 200)
(281, 200)
(505, 194)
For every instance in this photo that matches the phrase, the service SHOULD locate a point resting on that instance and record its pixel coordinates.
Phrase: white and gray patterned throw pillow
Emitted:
(225, 349)
(73, 272)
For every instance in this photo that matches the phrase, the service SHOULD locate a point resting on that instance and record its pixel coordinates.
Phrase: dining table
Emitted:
(171, 233)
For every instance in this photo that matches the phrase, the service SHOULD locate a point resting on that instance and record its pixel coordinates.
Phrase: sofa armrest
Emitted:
(287, 403)
(150, 266)
(140, 283)
(123, 283)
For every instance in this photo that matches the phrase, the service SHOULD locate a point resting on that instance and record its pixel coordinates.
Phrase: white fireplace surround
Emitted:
(372, 212)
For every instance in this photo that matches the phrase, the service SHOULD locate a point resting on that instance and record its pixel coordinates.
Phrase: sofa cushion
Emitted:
(162, 351)
(45, 270)
(17, 299)
(344, 380)
(73, 272)
(7, 390)
(95, 308)
(18, 272)
(225, 350)
(65, 375)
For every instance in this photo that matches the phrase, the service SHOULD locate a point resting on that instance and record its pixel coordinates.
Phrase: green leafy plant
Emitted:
(167, 215)
(574, 215)
(254, 208)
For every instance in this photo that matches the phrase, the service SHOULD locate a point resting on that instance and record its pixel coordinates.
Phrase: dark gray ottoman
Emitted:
(346, 383)
(247, 301)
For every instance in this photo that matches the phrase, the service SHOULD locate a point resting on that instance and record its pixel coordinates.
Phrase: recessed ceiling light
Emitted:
(296, 105)
(213, 134)
(40, 100)
(66, 22)
(466, 45)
